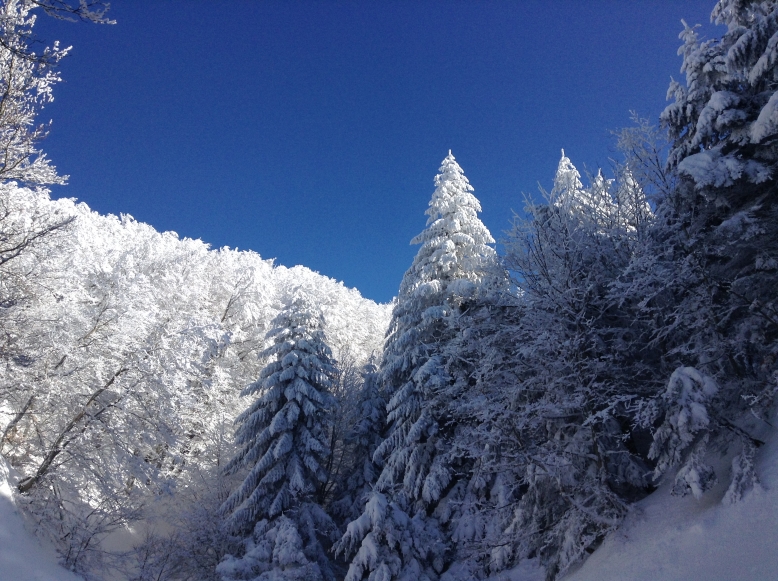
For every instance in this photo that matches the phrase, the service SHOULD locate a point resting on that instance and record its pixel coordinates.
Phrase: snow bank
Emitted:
(22, 558)
(669, 538)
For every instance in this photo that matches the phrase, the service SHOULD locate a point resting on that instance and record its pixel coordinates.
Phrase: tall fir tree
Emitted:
(717, 248)
(284, 444)
(395, 535)
(568, 191)
(453, 260)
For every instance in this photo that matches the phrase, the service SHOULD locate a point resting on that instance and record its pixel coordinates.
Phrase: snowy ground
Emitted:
(22, 558)
(683, 539)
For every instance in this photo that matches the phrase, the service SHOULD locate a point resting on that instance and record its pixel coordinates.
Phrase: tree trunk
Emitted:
(15, 421)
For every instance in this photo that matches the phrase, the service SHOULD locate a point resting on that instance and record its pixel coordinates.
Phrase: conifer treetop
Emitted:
(567, 181)
(724, 122)
(454, 246)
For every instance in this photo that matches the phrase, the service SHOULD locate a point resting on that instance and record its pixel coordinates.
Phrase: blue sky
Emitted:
(311, 131)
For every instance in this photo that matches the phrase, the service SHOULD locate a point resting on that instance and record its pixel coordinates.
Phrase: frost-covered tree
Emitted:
(98, 295)
(358, 472)
(28, 75)
(607, 204)
(593, 203)
(26, 82)
(163, 306)
(571, 465)
(454, 259)
(685, 424)
(29, 226)
(725, 120)
(418, 375)
(85, 10)
(715, 269)
(277, 551)
(283, 444)
(389, 544)
(644, 148)
(632, 209)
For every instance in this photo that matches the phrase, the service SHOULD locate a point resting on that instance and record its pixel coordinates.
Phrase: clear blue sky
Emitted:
(311, 131)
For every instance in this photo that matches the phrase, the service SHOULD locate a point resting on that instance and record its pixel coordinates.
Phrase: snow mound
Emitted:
(668, 538)
(22, 558)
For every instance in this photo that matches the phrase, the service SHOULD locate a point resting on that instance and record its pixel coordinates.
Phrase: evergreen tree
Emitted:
(274, 552)
(418, 375)
(725, 120)
(633, 211)
(607, 204)
(715, 330)
(568, 188)
(283, 439)
(453, 259)
(717, 244)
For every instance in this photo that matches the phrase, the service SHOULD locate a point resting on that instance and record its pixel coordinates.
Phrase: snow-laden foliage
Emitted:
(418, 374)
(710, 273)
(685, 423)
(26, 82)
(594, 203)
(579, 369)
(643, 345)
(390, 544)
(453, 260)
(644, 148)
(123, 350)
(357, 472)
(282, 435)
(605, 204)
(291, 546)
(506, 422)
(725, 120)
(274, 552)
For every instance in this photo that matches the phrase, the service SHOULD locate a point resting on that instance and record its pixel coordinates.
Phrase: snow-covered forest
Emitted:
(176, 412)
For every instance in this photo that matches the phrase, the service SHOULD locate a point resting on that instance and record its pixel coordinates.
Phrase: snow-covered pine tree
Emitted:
(718, 240)
(685, 424)
(725, 120)
(600, 204)
(632, 209)
(418, 465)
(453, 260)
(275, 551)
(482, 364)
(568, 188)
(283, 439)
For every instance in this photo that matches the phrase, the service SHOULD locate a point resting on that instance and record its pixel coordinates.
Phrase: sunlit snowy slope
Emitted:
(22, 558)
